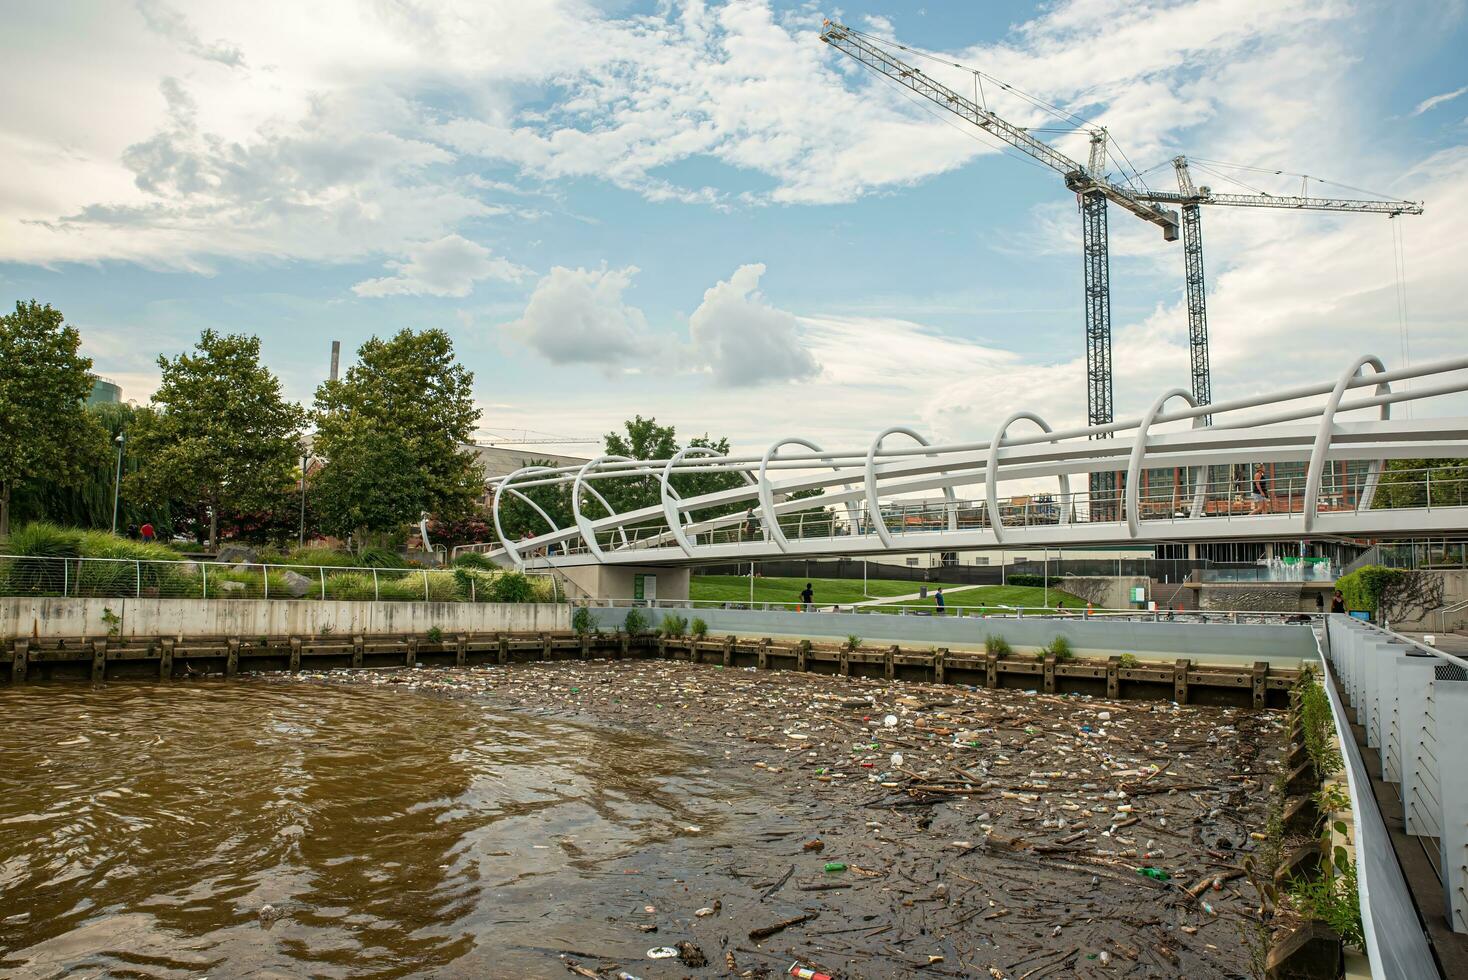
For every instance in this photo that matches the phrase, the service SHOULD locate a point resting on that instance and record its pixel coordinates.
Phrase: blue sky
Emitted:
(699, 211)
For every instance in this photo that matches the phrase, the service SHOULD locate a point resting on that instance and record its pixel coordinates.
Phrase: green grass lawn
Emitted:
(828, 591)
(992, 596)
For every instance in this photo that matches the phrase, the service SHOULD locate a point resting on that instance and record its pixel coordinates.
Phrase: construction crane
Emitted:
(1191, 197)
(1088, 181)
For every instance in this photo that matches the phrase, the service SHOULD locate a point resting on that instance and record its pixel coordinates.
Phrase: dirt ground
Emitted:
(937, 829)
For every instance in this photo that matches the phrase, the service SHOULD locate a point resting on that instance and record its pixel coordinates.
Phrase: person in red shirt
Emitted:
(147, 532)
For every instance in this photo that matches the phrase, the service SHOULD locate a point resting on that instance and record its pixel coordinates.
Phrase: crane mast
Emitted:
(1088, 181)
(1190, 198)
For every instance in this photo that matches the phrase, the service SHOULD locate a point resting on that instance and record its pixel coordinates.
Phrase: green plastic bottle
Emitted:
(1156, 874)
(835, 866)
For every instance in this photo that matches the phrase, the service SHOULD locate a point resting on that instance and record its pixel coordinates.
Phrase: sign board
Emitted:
(1361, 614)
(1139, 593)
(644, 587)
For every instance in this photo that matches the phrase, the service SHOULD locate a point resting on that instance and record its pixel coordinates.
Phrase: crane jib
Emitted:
(1077, 177)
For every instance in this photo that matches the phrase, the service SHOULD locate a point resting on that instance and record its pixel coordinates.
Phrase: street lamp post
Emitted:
(117, 479)
(301, 536)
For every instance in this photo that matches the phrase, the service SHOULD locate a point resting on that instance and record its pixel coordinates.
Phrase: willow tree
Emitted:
(45, 430)
(221, 436)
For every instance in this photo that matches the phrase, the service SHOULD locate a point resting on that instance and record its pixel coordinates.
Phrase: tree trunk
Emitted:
(213, 527)
(4, 508)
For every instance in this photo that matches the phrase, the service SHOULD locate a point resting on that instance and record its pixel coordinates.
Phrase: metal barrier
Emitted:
(126, 578)
(1412, 702)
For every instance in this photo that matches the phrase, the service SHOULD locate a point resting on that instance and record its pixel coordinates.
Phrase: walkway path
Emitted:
(917, 596)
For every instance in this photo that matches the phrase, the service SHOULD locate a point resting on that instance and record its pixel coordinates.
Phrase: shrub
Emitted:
(381, 558)
(349, 585)
(1319, 728)
(1363, 588)
(511, 587)
(434, 635)
(1333, 897)
(1060, 646)
(699, 628)
(582, 622)
(674, 625)
(1128, 660)
(473, 559)
(996, 645)
(1037, 581)
(853, 642)
(42, 539)
(635, 622)
(329, 557)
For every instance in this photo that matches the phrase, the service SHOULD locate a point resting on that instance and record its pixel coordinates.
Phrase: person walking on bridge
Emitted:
(807, 598)
(1260, 496)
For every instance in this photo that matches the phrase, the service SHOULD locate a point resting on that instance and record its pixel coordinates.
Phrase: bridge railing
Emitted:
(1402, 489)
(119, 578)
(1412, 703)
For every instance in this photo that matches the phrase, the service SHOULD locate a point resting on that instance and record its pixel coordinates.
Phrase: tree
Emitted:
(518, 518)
(44, 381)
(221, 436)
(85, 499)
(645, 439)
(401, 417)
(1405, 483)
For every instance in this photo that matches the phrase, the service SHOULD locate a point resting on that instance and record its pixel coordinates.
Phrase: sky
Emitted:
(698, 211)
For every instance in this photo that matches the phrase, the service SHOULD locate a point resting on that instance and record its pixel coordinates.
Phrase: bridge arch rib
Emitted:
(588, 535)
(991, 474)
(1316, 468)
(1139, 450)
(772, 529)
(874, 507)
(504, 487)
(668, 495)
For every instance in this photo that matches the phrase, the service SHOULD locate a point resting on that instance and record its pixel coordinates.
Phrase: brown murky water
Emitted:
(143, 828)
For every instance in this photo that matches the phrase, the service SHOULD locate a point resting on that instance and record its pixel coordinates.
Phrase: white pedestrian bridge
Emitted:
(1178, 472)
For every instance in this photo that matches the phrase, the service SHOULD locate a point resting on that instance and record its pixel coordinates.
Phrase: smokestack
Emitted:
(336, 355)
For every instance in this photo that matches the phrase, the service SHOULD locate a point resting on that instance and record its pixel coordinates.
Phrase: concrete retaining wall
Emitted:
(1217, 643)
(147, 618)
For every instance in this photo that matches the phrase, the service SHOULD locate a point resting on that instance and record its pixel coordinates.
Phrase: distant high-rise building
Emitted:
(104, 392)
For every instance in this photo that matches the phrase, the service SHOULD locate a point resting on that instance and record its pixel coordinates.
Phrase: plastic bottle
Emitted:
(835, 866)
(1156, 874)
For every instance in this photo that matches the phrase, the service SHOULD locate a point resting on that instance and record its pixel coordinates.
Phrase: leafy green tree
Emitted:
(44, 381)
(401, 417)
(519, 519)
(221, 435)
(85, 500)
(1405, 484)
(644, 439)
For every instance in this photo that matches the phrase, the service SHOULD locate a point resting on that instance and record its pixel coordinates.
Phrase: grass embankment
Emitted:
(828, 591)
(48, 562)
(841, 591)
(993, 596)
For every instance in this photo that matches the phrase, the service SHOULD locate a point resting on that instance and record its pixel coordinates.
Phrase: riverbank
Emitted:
(968, 831)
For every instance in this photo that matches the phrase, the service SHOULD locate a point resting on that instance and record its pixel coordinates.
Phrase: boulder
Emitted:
(235, 553)
(297, 584)
(233, 587)
(1310, 951)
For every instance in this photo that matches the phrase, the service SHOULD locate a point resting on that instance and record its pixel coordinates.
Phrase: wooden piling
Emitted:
(165, 658)
(1180, 681)
(99, 661)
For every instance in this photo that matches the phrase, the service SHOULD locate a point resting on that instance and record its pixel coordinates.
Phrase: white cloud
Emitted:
(745, 341)
(173, 25)
(578, 316)
(1437, 100)
(449, 266)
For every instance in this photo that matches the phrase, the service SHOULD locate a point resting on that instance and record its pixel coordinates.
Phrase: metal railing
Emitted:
(1407, 490)
(123, 578)
(1412, 702)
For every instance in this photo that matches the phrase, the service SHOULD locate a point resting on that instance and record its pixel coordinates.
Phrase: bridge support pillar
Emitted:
(622, 581)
